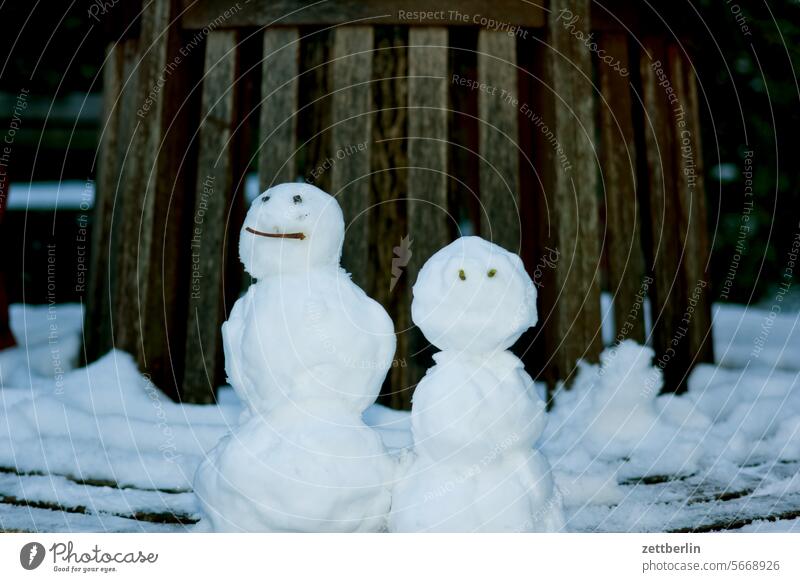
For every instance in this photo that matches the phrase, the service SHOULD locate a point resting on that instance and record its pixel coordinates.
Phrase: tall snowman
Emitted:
(475, 415)
(307, 351)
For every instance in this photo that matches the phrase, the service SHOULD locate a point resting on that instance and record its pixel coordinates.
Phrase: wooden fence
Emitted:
(500, 118)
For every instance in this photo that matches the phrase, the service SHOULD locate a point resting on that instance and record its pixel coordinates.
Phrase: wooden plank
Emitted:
(276, 161)
(498, 110)
(690, 189)
(428, 212)
(214, 185)
(572, 300)
(222, 14)
(148, 319)
(97, 332)
(388, 218)
(664, 250)
(618, 181)
(314, 108)
(351, 133)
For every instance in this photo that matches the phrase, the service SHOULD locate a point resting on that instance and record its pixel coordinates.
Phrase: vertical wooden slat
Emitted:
(618, 164)
(427, 145)
(97, 336)
(668, 292)
(352, 100)
(276, 161)
(428, 213)
(214, 184)
(691, 197)
(572, 300)
(499, 111)
(147, 318)
(388, 218)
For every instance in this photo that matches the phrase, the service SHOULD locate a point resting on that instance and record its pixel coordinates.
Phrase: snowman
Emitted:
(475, 414)
(306, 351)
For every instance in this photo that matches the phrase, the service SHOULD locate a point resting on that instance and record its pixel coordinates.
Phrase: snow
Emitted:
(76, 195)
(307, 352)
(475, 414)
(728, 450)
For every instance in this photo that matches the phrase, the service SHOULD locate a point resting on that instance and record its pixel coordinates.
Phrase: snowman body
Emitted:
(475, 416)
(306, 350)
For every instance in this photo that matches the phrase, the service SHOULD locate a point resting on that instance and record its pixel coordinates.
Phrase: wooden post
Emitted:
(571, 297)
(428, 210)
(498, 111)
(276, 160)
(148, 321)
(387, 218)
(626, 281)
(677, 249)
(214, 193)
(351, 71)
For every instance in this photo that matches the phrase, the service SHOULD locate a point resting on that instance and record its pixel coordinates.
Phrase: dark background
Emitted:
(748, 87)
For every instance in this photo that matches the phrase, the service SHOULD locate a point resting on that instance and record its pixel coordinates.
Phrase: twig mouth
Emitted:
(296, 235)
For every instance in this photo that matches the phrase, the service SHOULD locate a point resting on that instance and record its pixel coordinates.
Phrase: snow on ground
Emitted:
(107, 444)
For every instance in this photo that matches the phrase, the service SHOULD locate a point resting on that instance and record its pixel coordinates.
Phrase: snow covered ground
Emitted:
(101, 449)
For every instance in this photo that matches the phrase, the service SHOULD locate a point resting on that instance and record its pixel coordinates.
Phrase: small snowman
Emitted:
(307, 351)
(475, 415)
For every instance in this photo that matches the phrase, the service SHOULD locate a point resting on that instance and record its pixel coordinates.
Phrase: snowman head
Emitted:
(473, 296)
(291, 228)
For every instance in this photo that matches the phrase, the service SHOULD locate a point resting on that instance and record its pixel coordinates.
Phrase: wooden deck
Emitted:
(689, 503)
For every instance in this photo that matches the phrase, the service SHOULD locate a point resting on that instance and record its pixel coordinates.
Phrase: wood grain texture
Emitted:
(214, 184)
(618, 165)
(351, 72)
(279, 85)
(573, 330)
(140, 185)
(664, 249)
(427, 144)
(691, 196)
(97, 330)
(391, 285)
(149, 322)
(498, 110)
(224, 14)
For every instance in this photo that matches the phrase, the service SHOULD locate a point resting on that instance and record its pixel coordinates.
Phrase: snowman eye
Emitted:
(462, 275)
(297, 199)
(492, 273)
(264, 198)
